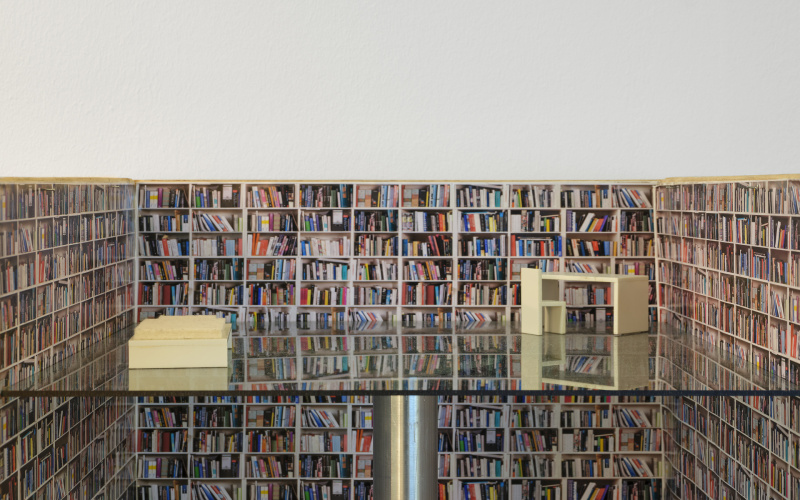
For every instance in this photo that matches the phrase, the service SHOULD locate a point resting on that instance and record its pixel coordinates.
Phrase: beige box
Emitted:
(180, 342)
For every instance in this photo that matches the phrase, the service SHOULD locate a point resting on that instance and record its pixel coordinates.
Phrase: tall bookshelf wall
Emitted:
(402, 251)
(729, 275)
(67, 274)
(376, 231)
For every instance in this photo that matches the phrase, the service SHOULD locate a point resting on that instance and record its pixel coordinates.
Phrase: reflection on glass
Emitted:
(324, 344)
(483, 365)
(315, 367)
(488, 358)
(165, 379)
(381, 344)
(427, 365)
(588, 361)
(265, 347)
(272, 369)
(482, 343)
(380, 365)
(427, 343)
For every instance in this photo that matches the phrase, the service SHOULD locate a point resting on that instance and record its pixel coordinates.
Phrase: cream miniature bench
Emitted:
(541, 304)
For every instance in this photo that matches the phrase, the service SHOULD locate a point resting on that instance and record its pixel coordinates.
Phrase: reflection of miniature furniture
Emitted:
(180, 342)
(179, 379)
(629, 298)
(622, 362)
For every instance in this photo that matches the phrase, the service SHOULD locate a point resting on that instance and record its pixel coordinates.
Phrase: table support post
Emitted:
(405, 440)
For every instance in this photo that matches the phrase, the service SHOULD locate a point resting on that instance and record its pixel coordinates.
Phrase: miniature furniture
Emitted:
(180, 342)
(536, 310)
(541, 293)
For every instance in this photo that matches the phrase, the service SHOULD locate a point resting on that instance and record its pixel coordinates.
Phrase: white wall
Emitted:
(443, 89)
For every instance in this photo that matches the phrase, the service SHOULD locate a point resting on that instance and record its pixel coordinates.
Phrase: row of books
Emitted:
(273, 441)
(329, 466)
(587, 440)
(225, 196)
(214, 441)
(385, 221)
(326, 196)
(216, 223)
(164, 223)
(603, 197)
(275, 270)
(484, 222)
(382, 270)
(370, 245)
(161, 441)
(381, 196)
(375, 295)
(225, 270)
(277, 196)
(220, 467)
(325, 270)
(532, 197)
(162, 197)
(427, 221)
(272, 222)
(475, 294)
(587, 295)
(534, 440)
(479, 197)
(434, 195)
(154, 294)
(534, 221)
(590, 223)
(316, 222)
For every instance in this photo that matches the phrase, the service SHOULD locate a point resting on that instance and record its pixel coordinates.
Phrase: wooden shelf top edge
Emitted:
(399, 181)
(66, 180)
(668, 181)
(655, 182)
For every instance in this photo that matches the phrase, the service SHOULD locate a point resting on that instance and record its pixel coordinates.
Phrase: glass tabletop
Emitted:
(384, 359)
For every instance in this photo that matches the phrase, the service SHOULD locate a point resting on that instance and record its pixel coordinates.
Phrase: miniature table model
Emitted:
(541, 300)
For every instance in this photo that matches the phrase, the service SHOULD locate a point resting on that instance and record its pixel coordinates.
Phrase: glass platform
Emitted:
(382, 359)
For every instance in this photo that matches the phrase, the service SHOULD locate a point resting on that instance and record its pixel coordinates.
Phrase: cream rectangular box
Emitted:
(180, 342)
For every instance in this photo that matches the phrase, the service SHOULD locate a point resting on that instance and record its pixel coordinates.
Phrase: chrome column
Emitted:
(405, 440)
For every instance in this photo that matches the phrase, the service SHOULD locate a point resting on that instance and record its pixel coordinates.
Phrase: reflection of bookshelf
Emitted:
(727, 270)
(67, 272)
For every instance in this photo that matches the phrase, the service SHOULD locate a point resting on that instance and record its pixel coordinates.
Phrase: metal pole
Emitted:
(405, 440)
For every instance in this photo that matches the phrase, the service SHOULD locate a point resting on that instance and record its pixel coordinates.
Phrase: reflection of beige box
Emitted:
(180, 342)
(178, 379)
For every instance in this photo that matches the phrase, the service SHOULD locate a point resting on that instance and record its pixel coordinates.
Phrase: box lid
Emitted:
(182, 328)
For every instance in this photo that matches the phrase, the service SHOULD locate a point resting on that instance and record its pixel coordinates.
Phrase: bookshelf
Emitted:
(728, 276)
(250, 251)
(324, 255)
(395, 251)
(67, 264)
